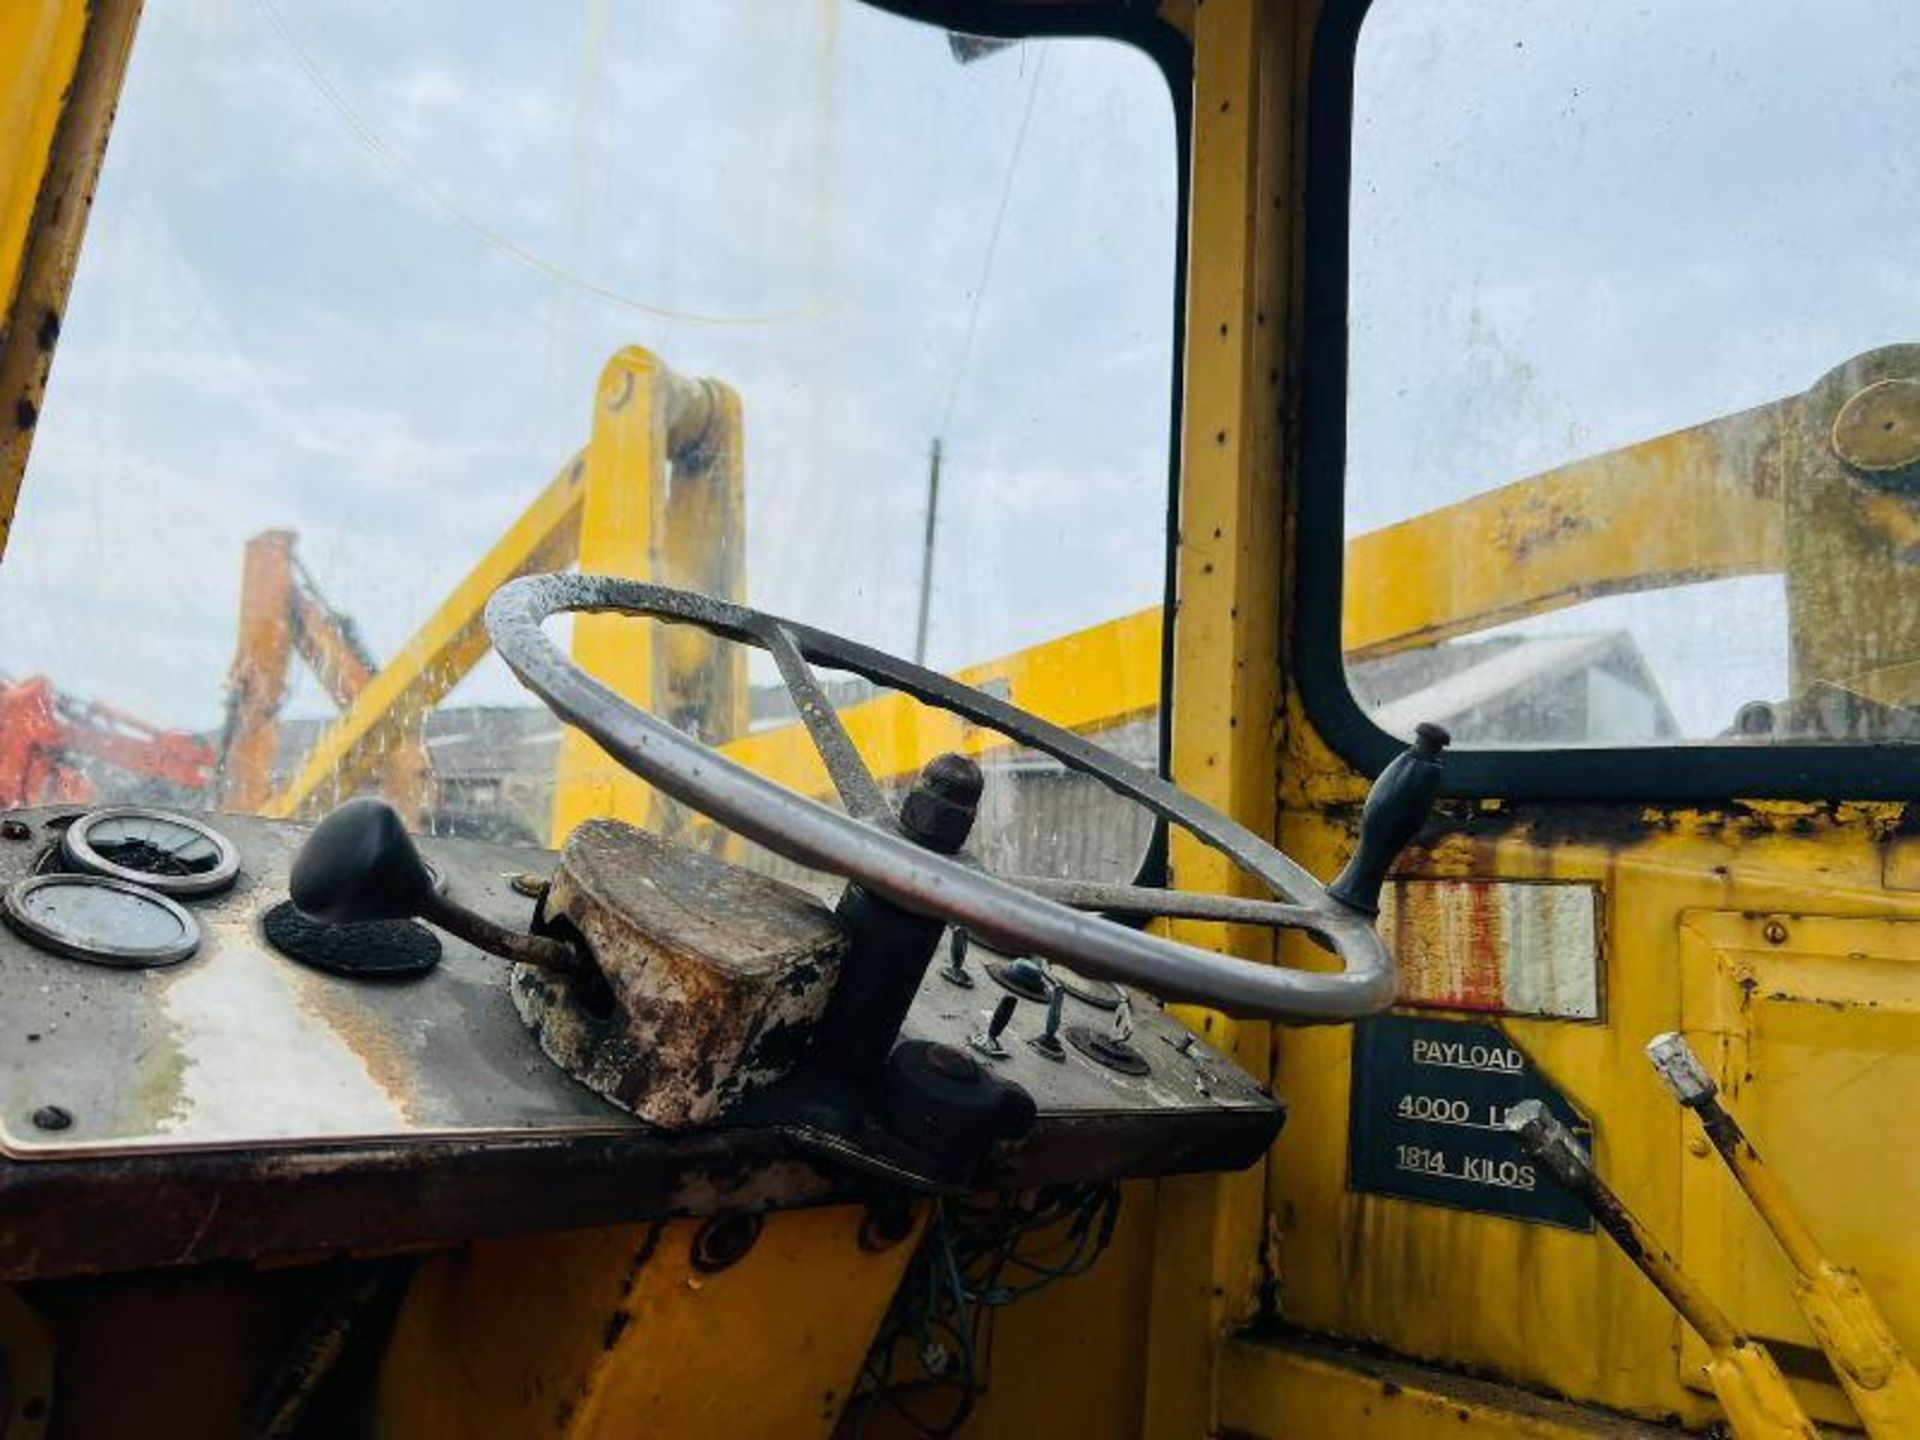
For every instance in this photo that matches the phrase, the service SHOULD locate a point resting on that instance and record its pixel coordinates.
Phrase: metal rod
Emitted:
(1553, 1146)
(539, 951)
(926, 552)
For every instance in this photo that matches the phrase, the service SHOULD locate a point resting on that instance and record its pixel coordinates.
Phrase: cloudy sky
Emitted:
(355, 265)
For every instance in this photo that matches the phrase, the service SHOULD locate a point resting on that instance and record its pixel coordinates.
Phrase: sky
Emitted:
(355, 265)
(354, 269)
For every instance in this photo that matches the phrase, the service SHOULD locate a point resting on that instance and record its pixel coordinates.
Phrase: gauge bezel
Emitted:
(77, 850)
(118, 957)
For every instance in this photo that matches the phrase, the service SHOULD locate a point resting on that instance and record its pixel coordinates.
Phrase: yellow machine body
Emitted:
(1784, 936)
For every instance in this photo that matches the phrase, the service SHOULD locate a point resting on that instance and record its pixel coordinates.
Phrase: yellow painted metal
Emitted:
(61, 65)
(1088, 681)
(1560, 1310)
(1754, 1395)
(1229, 578)
(1282, 1388)
(644, 490)
(441, 651)
(1069, 1362)
(1879, 1379)
(1600, 526)
(596, 1334)
(605, 509)
(1741, 1372)
(1811, 1026)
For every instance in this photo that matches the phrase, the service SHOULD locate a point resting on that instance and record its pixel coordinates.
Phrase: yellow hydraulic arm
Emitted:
(656, 494)
(1599, 526)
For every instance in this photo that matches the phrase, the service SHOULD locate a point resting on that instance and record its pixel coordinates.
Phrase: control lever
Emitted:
(1879, 1378)
(890, 947)
(1397, 806)
(1744, 1376)
(359, 864)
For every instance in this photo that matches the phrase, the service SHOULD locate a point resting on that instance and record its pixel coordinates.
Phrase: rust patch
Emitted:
(386, 1063)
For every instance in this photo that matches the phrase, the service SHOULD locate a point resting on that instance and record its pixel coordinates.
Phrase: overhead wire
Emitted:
(416, 180)
(965, 353)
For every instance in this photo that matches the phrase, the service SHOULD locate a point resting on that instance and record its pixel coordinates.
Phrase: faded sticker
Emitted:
(1499, 946)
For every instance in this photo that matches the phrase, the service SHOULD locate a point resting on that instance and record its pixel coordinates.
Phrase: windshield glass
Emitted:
(366, 287)
(1633, 432)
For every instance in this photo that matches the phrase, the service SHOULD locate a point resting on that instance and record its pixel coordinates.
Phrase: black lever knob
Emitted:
(359, 864)
(1397, 806)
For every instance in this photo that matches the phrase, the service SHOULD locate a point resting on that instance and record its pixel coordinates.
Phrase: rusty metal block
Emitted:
(715, 976)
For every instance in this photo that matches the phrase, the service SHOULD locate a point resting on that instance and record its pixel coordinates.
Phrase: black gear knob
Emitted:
(360, 864)
(1397, 806)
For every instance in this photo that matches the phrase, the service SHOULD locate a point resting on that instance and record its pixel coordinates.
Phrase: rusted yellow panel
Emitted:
(597, 1334)
(61, 64)
(1528, 948)
(1811, 1026)
(39, 46)
(1600, 526)
(1561, 1310)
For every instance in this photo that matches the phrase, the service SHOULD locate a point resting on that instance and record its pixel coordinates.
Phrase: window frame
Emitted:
(1702, 771)
(1141, 27)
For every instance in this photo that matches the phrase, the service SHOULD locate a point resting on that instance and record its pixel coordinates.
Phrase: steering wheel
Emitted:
(1049, 918)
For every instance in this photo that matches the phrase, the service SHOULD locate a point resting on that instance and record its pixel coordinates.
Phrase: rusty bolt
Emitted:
(938, 811)
(15, 830)
(529, 884)
(724, 1241)
(52, 1117)
(1775, 932)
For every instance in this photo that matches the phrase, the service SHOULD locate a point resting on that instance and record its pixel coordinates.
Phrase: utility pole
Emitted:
(926, 552)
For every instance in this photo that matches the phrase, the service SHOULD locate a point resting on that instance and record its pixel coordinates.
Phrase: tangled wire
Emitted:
(977, 1255)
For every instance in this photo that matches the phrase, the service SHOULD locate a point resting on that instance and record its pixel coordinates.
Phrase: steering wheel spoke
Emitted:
(854, 782)
(1144, 900)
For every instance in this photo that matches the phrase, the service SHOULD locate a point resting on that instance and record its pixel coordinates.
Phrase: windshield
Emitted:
(362, 290)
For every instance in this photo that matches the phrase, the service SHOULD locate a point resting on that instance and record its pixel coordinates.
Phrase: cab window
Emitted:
(354, 279)
(1632, 431)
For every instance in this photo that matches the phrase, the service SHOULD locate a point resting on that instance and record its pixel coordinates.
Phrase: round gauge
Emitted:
(154, 848)
(103, 921)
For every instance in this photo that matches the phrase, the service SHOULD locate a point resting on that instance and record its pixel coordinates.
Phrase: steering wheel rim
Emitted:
(869, 849)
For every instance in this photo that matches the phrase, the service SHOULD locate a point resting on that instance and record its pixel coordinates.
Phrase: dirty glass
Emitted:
(1633, 436)
(354, 286)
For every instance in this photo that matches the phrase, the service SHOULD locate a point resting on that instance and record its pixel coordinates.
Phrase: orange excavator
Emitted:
(51, 745)
(283, 613)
